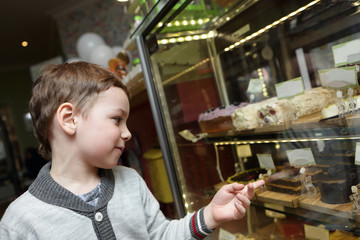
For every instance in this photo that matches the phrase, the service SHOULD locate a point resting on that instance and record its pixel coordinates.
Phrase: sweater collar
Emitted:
(48, 190)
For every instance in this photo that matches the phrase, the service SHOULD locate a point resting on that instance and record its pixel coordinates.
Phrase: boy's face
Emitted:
(102, 133)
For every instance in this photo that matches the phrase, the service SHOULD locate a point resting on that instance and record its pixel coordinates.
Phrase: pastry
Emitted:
(276, 113)
(289, 180)
(332, 109)
(313, 100)
(247, 118)
(218, 119)
(246, 176)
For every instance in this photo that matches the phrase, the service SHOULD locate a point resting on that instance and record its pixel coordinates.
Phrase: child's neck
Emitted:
(75, 177)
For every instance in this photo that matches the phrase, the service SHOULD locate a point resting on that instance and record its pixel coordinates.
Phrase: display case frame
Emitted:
(335, 129)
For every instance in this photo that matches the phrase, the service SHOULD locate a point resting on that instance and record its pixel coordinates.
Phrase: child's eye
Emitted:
(117, 119)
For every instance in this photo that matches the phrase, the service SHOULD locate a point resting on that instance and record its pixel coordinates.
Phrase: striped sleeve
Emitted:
(198, 228)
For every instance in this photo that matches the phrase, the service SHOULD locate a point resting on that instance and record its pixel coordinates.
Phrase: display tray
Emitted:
(315, 204)
(353, 120)
(314, 121)
(283, 199)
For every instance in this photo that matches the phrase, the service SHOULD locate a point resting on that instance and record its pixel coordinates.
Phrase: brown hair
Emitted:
(78, 83)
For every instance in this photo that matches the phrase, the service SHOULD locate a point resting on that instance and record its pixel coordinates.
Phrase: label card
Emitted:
(346, 53)
(241, 31)
(357, 154)
(338, 78)
(225, 235)
(316, 233)
(300, 157)
(243, 151)
(290, 88)
(266, 161)
(255, 85)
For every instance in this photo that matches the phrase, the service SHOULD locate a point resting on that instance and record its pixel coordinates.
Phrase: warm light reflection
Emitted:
(211, 34)
(255, 34)
(285, 140)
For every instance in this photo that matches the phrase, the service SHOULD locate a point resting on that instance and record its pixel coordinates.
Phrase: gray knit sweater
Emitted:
(126, 209)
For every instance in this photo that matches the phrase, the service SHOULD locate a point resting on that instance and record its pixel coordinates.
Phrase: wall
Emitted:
(15, 93)
(104, 17)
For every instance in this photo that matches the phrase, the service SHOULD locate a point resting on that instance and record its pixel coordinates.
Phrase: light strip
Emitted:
(186, 71)
(164, 41)
(255, 34)
(186, 22)
(284, 140)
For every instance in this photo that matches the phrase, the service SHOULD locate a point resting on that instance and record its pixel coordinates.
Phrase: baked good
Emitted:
(335, 191)
(247, 176)
(289, 180)
(313, 100)
(332, 109)
(335, 183)
(218, 119)
(276, 113)
(247, 118)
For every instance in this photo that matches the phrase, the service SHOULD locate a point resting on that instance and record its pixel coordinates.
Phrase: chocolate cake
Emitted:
(335, 183)
(247, 176)
(335, 191)
(289, 180)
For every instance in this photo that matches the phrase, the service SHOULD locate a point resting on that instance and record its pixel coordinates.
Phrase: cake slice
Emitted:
(218, 119)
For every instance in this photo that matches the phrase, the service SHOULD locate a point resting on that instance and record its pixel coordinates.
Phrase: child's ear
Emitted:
(66, 118)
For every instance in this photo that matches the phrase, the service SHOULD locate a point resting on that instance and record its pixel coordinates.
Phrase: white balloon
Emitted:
(87, 43)
(101, 55)
(73, 59)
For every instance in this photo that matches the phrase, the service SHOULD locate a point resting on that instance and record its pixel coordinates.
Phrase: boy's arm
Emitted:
(230, 203)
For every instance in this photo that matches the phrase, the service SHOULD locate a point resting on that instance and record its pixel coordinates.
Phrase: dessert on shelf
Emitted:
(289, 180)
(246, 118)
(274, 111)
(332, 110)
(247, 176)
(313, 100)
(218, 119)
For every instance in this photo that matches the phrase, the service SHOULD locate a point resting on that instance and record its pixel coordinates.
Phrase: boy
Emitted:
(79, 112)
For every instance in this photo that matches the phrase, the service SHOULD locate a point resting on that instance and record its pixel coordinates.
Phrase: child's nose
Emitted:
(126, 135)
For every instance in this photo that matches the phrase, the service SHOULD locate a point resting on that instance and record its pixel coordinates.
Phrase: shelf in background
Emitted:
(135, 80)
(303, 202)
(315, 204)
(282, 199)
(332, 128)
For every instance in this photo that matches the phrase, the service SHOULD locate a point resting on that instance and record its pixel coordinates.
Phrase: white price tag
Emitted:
(301, 157)
(255, 85)
(290, 88)
(225, 235)
(338, 78)
(357, 154)
(346, 53)
(266, 161)
(316, 233)
(243, 150)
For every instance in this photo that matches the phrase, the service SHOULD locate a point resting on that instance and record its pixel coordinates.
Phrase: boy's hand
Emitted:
(230, 203)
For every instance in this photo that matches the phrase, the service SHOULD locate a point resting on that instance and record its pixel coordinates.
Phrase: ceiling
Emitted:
(32, 21)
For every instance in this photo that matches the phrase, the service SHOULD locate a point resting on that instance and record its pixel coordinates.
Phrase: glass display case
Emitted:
(242, 90)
